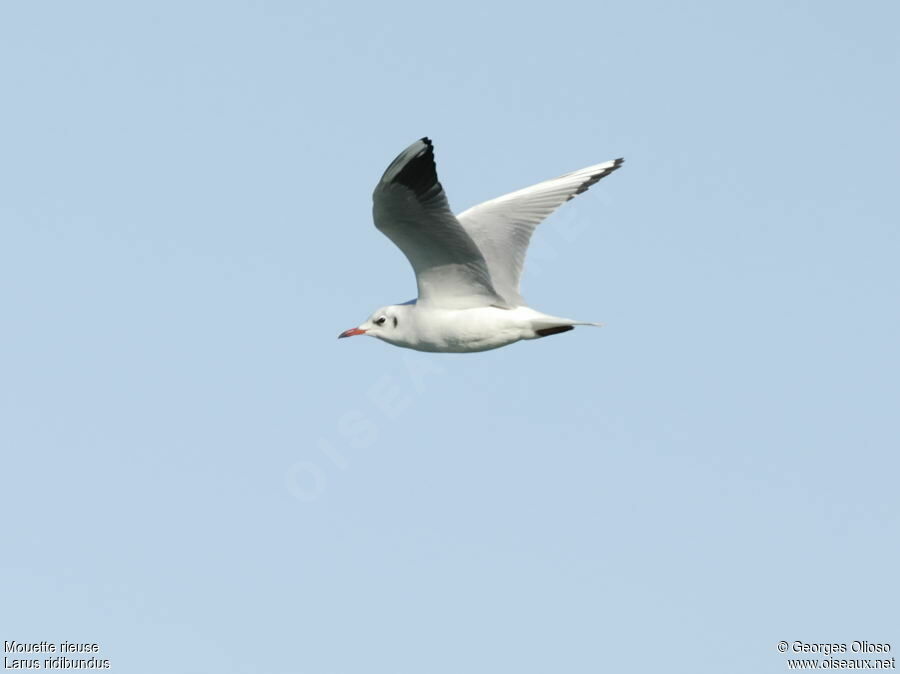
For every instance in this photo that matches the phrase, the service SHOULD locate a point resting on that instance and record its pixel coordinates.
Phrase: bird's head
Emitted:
(386, 323)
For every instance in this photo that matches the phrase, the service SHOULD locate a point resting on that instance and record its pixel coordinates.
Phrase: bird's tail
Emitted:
(549, 325)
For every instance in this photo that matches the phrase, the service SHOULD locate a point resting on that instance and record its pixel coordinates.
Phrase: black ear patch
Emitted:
(395, 321)
(555, 330)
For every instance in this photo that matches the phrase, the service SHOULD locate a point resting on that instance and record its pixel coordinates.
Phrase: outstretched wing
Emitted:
(410, 208)
(502, 227)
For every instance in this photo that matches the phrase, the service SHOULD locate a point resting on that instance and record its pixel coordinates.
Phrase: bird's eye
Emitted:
(380, 320)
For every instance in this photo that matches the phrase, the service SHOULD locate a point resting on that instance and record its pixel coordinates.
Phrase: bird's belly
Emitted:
(468, 331)
(465, 344)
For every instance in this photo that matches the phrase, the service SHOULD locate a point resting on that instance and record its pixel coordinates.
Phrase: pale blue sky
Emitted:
(200, 477)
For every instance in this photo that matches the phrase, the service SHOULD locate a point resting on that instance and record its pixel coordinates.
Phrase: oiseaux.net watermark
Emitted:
(858, 654)
(392, 395)
(386, 400)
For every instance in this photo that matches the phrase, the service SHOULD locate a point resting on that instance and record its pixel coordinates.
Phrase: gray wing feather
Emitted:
(502, 227)
(411, 209)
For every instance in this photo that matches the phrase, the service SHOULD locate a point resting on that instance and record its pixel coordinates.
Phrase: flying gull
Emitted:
(467, 266)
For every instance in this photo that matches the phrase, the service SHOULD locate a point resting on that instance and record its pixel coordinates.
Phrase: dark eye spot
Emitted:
(395, 321)
(380, 321)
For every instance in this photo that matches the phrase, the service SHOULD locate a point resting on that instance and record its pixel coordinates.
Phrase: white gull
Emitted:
(467, 266)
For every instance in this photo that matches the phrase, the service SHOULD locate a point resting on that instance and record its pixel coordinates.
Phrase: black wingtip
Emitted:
(555, 330)
(420, 172)
(596, 177)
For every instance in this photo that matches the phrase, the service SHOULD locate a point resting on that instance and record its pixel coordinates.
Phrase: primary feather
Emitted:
(502, 227)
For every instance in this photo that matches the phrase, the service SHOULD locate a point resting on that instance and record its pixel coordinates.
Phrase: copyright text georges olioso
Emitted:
(837, 655)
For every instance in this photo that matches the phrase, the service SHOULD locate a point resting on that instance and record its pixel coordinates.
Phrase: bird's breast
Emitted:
(464, 330)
